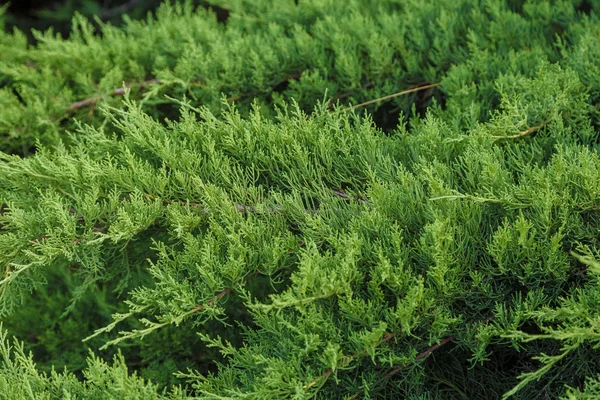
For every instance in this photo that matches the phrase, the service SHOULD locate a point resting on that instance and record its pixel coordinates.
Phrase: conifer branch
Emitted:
(229, 197)
(240, 207)
(525, 132)
(152, 326)
(6, 276)
(391, 96)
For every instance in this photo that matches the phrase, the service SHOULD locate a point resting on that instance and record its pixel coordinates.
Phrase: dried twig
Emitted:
(391, 96)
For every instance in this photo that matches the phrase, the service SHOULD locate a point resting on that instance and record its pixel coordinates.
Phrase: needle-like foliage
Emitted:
(223, 228)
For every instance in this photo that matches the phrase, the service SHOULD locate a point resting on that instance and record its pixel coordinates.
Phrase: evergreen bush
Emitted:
(393, 199)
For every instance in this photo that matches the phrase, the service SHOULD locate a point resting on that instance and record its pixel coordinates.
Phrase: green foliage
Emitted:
(443, 244)
(269, 53)
(21, 380)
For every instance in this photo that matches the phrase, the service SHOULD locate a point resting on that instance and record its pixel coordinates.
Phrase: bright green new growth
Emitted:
(283, 247)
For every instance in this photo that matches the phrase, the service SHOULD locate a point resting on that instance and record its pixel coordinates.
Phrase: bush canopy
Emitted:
(303, 199)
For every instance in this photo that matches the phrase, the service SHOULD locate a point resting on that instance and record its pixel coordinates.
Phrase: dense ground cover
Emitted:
(194, 205)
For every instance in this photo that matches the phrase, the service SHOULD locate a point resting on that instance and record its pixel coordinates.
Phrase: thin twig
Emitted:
(222, 294)
(346, 361)
(122, 9)
(211, 302)
(179, 202)
(121, 91)
(244, 208)
(275, 85)
(347, 94)
(97, 230)
(391, 96)
(417, 358)
(525, 132)
(75, 242)
(341, 193)
(117, 92)
(240, 207)
(233, 98)
(37, 240)
(344, 195)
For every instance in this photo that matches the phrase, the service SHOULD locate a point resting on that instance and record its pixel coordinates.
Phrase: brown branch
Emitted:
(284, 81)
(122, 9)
(240, 207)
(79, 240)
(234, 98)
(342, 96)
(417, 358)
(121, 91)
(222, 294)
(117, 92)
(525, 132)
(76, 241)
(391, 96)
(37, 240)
(341, 193)
(347, 361)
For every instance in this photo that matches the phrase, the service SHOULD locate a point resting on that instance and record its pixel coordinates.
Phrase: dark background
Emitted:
(43, 14)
